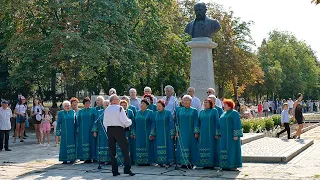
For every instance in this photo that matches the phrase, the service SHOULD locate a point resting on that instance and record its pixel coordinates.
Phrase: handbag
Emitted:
(22, 118)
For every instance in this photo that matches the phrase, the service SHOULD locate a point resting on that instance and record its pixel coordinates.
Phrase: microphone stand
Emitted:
(176, 167)
(98, 134)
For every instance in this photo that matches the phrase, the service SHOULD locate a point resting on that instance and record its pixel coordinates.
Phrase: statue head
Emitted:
(200, 9)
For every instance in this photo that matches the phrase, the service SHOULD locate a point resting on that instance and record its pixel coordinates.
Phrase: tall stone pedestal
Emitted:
(201, 74)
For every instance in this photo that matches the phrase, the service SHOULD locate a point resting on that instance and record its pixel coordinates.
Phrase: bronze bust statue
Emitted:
(202, 26)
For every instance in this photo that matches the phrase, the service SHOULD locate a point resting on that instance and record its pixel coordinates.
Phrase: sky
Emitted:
(297, 16)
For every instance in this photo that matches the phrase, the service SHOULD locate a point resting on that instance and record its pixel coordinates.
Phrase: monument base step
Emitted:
(273, 150)
(248, 137)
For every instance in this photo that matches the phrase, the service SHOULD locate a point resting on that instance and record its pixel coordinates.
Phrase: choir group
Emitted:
(162, 132)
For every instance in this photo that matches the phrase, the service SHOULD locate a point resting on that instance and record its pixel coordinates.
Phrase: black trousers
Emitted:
(116, 134)
(4, 135)
(286, 128)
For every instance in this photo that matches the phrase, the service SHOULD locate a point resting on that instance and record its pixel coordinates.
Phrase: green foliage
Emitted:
(136, 43)
(276, 120)
(289, 65)
(256, 124)
(247, 125)
(269, 124)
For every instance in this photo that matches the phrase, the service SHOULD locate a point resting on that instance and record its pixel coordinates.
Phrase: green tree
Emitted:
(289, 65)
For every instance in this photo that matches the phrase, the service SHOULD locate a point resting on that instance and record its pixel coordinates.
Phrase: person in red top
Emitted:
(260, 109)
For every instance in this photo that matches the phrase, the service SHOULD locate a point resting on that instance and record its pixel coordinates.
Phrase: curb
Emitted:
(247, 140)
(294, 154)
(281, 158)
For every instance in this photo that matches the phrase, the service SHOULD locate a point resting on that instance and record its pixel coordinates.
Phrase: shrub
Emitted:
(269, 123)
(246, 125)
(276, 120)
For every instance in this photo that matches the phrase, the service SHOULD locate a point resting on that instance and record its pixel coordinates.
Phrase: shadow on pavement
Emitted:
(91, 171)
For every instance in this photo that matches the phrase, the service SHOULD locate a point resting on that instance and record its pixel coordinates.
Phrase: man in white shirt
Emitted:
(115, 120)
(211, 91)
(134, 100)
(5, 125)
(170, 100)
(147, 90)
(290, 104)
(195, 103)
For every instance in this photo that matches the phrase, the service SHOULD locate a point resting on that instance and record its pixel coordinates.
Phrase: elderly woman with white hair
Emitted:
(99, 103)
(214, 100)
(66, 128)
(100, 133)
(187, 133)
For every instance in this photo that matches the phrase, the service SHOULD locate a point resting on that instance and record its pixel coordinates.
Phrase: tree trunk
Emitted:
(235, 88)
(110, 75)
(221, 90)
(53, 88)
(148, 73)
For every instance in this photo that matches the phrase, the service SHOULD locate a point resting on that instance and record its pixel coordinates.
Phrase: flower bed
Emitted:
(261, 124)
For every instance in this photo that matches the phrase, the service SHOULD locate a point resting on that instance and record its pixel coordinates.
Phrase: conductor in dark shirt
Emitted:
(115, 121)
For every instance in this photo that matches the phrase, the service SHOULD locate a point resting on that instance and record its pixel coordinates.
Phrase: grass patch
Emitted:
(317, 176)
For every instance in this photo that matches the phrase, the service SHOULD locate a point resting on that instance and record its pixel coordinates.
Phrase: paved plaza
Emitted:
(32, 161)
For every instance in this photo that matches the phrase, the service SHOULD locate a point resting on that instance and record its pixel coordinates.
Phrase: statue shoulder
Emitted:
(213, 21)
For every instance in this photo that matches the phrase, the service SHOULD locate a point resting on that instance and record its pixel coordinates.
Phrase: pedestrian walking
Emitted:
(285, 120)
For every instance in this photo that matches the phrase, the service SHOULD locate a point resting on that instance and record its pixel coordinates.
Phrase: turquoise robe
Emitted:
(120, 159)
(230, 150)
(98, 108)
(102, 139)
(152, 107)
(188, 126)
(66, 128)
(86, 146)
(164, 149)
(177, 112)
(220, 111)
(133, 109)
(208, 144)
(142, 128)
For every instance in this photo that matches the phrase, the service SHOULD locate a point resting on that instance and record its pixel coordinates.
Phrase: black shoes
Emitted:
(116, 174)
(130, 173)
(8, 150)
